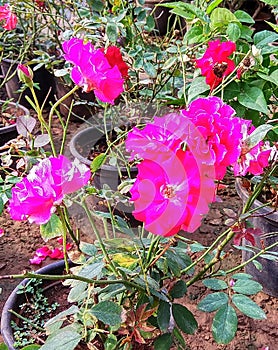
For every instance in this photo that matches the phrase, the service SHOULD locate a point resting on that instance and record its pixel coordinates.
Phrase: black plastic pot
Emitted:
(267, 222)
(41, 76)
(15, 300)
(7, 133)
(80, 146)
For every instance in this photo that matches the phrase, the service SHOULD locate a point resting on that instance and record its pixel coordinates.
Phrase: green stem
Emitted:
(64, 227)
(96, 232)
(215, 260)
(74, 277)
(255, 256)
(27, 320)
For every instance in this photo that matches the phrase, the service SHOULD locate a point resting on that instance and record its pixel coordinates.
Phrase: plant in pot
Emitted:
(126, 291)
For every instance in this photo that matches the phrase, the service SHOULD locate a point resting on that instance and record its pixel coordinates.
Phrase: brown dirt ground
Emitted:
(21, 239)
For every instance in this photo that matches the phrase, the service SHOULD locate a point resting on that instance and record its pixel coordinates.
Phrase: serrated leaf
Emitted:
(150, 69)
(53, 228)
(263, 38)
(178, 290)
(197, 87)
(107, 312)
(221, 17)
(241, 275)
(244, 17)
(88, 248)
(247, 286)
(253, 98)
(248, 307)
(112, 31)
(97, 162)
(213, 5)
(215, 284)
(270, 78)
(25, 125)
(63, 340)
(163, 342)
(213, 302)
(50, 324)
(233, 31)
(257, 135)
(163, 315)
(224, 325)
(184, 319)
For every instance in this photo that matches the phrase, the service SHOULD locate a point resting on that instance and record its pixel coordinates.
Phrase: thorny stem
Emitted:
(74, 277)
(215, 260)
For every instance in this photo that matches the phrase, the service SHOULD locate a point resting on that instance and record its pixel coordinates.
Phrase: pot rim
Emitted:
(12, 127)
(6, 316)
(76, 154)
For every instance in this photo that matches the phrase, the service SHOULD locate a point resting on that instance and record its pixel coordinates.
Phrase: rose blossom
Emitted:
(167, 196)
(35, 196)
(220, 129)
(8, 18)
(215, 64)
(93, 71)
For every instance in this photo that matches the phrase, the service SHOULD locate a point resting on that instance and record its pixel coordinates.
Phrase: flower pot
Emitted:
(267, 222)
(42, 77)
(15, 300)
(80, 146)
(9, 132)
(79, 111)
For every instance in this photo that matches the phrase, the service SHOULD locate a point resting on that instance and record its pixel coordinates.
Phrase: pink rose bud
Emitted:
(25, 74)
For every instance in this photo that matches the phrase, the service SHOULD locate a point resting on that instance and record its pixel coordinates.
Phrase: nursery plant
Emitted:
(127, 286)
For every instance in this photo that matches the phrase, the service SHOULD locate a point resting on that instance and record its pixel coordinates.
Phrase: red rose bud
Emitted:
(25, 74)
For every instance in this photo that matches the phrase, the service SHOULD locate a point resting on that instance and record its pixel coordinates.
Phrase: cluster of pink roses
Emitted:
(96, 69)
(7, 17)
(35, 197)
(182, 154)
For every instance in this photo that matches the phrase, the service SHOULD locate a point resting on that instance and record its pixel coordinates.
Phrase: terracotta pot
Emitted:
(9, 132)
(79, 111)
(41, 76)
(15, 300)
(267, 222)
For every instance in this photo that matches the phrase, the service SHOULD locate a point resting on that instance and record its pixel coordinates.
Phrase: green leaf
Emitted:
(112, 32)
(247, 286)
(221, 17)
(163, 342)
(270, 78)
(50, 325)
(88, 248)
(179, 289)
(213, 302)
(253, 98)
(215, 284)
(270, 2)
(263, 38)
(97, 162)
(197, 87)
(169, 63)
(3, 346)
(150, 69)
(213, 5)
(111, 342)
(233, 31)
(107, 312)
(179, 337)
(53, 228)
(163, 315)
(28, 347)
(241, 275)
(1, 205)
(248, 307)
(258, 265)
(184, 319)
(224, 325)
(244, 17)
(257, 135)
(62, 340)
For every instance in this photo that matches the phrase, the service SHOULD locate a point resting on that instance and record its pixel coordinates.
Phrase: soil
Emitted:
(21, 239)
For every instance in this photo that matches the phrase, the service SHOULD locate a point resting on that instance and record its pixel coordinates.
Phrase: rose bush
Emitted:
(222, 94)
